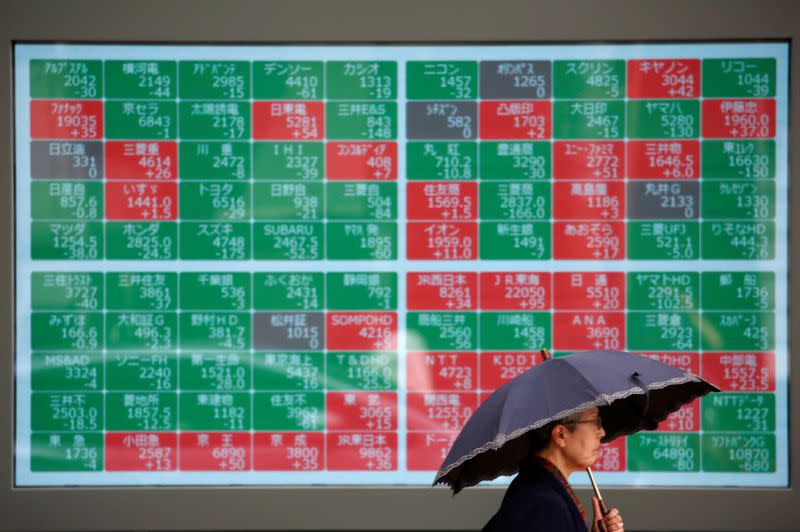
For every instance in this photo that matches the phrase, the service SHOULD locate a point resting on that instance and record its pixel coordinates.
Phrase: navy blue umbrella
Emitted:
(633, 393)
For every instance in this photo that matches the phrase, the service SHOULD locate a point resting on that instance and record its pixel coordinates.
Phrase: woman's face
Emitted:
(583, 442)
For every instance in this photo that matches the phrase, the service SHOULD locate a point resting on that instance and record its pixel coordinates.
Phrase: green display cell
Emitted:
(361, 80)
(441, 80)
(214, 80)
(515, 240)
(141, 410)
(215, 331)
(67, 411)
(663, 240)
(588, 79)
(592, 119)
(57, 452)
(442, 331)
(738, 331)
(215, 291)
(144, 80)
(214, 160)
(288, 241)
(742, 77)
(61, 78)
(302, 161)
(456, 161)
(66, 291)
(214, 241)
(219, 202)
(515, 201)
(215, 411)
(67, 200)
(142, 240)
(729, 159)
(143, 331)
(738, 200)
(515, 160)
(361, 201)
(361, 371)
(361, 241)
(288, 80)
(215, 120)
(361, 121)
(519, 331)
(289, 411)
(288, 291)
(663, 331)
(215, 372)
(669, 452)
(738, 290)
(663, 119)
(663, 291)
(66, 241)
(288, 201)
(67, 371)
(361, 290)
(294, 372)
(156, 372)
(141, 120)
(66, 331)
(142, 291)
(739, 453)
(738, 240)
(738, 412)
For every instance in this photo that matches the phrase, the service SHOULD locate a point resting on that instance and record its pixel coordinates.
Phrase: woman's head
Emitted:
(572, 442)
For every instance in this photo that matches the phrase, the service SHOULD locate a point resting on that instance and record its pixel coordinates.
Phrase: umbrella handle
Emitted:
(603, 510)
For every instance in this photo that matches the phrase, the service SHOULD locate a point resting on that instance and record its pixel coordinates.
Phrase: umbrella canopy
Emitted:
(633, 393)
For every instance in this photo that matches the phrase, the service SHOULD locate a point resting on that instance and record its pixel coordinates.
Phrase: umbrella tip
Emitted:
(546, 355)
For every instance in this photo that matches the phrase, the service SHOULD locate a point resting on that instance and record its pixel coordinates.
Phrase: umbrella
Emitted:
(633, 393)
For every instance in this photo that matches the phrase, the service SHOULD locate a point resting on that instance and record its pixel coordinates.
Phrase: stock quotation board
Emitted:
(310, 265)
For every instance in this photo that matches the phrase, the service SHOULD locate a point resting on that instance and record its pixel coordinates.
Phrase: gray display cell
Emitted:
(289, 331)
(663, 200)
(66, 159)
(442, 120)
(528, 80)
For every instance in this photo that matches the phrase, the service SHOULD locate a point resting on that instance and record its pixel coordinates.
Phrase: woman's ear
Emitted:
(558, 435)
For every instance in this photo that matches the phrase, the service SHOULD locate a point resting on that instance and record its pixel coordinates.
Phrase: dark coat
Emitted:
(536, 502)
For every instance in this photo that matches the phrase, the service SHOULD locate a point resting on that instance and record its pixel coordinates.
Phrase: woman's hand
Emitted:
(612, 520)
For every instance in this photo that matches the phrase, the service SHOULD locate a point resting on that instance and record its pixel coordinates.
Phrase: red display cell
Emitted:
(665, 159)
(588, 290)
(740, 372)
(141, 160)
(66, 119)
(362, 451)
(739, 119)
(361, 331)
(441, 371)
(442, 201)
(499, 368)
(141, 201)
(363, 161)
(439, 410)
(288, 120)
(611, 457)
(141, 451)
(515, 291)
(588, 160)
(442, 241)
(664, 78)
(288, 451)
(588, 200)
(361, 411)
(588, 330)
(214, 451)
(519, 119)
(685, 419)
(427, 450)
(686, 361)
(442, 291)
(589, 240)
